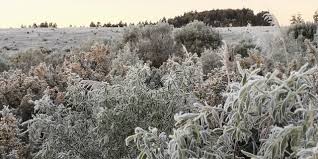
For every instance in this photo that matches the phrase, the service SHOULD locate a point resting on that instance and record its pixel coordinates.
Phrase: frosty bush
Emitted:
(212, 90)
(263, 117)
(210, 60)
(303, 31)
(154, 43)
(4, 65)
(197, 36)
(18, 89)
(10, 144)
(25, 60)
(244, 47)
(125, 58)
(55, 58)
(102, 115)
(94, 65)
(59, 131)
(141, 105)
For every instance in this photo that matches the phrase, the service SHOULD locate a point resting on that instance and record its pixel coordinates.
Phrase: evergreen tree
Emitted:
(316, 17)
(92, 25)
(297, 19)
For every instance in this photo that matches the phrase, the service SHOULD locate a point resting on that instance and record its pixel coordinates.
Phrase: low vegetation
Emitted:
(159, 93)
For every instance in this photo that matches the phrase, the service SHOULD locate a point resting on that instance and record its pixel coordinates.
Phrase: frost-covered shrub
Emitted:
(311, 53)
(244, 47)
(124, 59)
(132, 35)
(10, 144)
(197, 37)
(59, 131)
(4, 65)
(255, 59)
(54, 76)
(25, 60)
(263, 117)
(17, 90)
(94, 64)
(102, 115)
(213, 88)
(56, 58)
(303, 31)
(140, 105)
(210, 60)
(154, 43)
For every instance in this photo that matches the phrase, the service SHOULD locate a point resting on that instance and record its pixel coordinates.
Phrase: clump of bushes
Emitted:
(25, 60)
(97, 96)
(211, 59)
(17, 88)
(4, 65)
(154, 43)
(303, 31)
(109, 112)
(10, 144)
(197, 37)
(243, 47)
(211, 91)
(263, 117)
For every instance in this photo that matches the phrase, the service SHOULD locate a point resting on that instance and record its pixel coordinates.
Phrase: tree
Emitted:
(164, 20)
(34, 25)
(44, 25)
(92, 25)
(297, 19)
(316, 17)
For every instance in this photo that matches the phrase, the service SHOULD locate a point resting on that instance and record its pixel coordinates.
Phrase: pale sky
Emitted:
(13, 13)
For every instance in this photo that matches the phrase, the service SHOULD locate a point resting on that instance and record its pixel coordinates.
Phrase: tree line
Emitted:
(222, 18)
(298, 19)
(41, 25)
(215, 18)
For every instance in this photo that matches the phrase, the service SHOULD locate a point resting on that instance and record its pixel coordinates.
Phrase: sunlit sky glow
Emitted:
(13, 13)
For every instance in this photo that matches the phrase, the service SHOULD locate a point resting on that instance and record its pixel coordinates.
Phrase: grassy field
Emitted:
(59, 39)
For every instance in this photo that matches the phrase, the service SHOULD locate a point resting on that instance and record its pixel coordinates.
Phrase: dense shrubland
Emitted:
(161, 93)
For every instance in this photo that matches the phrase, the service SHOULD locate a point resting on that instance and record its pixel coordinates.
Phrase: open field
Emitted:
(60, 39)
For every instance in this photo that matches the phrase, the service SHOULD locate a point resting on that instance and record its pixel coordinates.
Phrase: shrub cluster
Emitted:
(86, 103)
(153, 43)
(263, 117)
(197, 37)
(303, 31)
